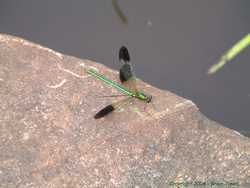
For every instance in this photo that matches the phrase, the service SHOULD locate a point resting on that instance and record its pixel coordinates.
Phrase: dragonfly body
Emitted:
(127, 87)
(139, 95)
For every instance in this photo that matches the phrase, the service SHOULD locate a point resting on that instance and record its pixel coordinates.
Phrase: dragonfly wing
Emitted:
(105, 111)
(123, 54)
(127, 76)
(111, 107)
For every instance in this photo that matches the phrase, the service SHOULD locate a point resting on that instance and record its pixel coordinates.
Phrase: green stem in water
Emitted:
(230, 54)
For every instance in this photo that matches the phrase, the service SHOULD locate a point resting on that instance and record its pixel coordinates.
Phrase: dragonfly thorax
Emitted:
(142, 96)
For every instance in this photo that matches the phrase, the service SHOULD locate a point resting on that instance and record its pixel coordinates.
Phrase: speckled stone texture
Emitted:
(49, 138)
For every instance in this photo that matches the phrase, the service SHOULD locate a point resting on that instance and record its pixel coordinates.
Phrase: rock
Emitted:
(49, 138)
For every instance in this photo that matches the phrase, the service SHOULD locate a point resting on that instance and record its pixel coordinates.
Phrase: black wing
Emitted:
(127, 76)
(111, 107)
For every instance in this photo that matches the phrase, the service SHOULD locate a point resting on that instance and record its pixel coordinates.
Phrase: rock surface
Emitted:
(49, 138)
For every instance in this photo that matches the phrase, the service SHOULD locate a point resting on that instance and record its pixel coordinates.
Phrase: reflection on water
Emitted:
(119, 12)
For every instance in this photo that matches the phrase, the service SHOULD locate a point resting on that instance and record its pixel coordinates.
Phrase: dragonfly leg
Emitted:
(146, 105)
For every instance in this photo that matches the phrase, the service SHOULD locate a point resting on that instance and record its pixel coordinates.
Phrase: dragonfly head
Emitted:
(142, 96)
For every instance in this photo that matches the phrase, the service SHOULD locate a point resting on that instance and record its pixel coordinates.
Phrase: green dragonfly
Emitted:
(128, 84)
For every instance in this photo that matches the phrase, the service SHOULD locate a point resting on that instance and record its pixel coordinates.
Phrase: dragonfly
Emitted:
(128, 86)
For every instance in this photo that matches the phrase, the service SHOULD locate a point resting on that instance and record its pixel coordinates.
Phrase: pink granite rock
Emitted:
(49, 138)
